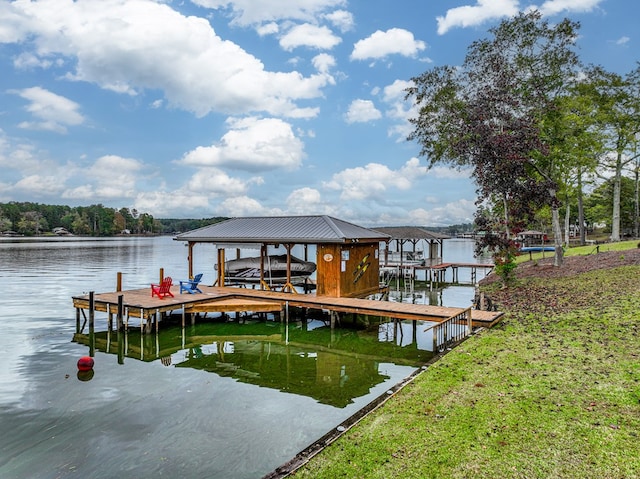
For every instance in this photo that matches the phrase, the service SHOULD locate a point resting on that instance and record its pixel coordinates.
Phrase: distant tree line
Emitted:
(452, 230)
(35, 219)
(180, 225)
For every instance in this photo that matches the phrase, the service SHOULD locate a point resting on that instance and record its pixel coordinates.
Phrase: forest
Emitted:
(35, 219)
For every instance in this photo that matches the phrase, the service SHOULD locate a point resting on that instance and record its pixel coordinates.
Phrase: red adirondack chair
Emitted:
(163, 289)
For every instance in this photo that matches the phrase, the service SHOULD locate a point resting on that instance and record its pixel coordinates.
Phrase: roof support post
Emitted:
(221, 267)
(190, 258)
(263, 253)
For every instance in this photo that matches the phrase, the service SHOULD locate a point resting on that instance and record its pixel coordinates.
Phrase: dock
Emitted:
(138, 303)
(436, 273)
(440, 270)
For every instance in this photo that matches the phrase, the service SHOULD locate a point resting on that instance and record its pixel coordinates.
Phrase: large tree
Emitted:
(498, 114)
(618, 102)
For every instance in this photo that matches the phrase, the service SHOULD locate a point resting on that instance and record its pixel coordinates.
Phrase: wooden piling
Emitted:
(92, 336)
(119, 321)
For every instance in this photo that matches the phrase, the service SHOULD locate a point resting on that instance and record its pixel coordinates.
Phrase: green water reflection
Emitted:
(308, 358)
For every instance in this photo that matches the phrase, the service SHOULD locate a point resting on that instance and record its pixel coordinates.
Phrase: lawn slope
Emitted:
(553, 391)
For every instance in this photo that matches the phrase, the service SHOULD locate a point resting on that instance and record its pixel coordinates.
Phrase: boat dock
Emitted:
(138, 303)
(436, 274)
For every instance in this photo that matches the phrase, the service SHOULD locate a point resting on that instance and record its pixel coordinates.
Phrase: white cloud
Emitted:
(554, 7)
(308, 201)
(25, 160)
(361, 111)
(399, 110)
(323, 62)
(483, 11)
(252, 144)
(127, 47)
(252, 12)
(381, 44)
(112, 176)
(457, 212)
(445, 172)
(39, 185)
(304, 195)
(54, 112)
(214, 182)
(341, 19)
(375, 180)
(268, 29)
(623, 41)
(245, 206)
(307, 35)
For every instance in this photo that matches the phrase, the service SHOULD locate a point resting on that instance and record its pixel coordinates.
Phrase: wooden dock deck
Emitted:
(139, 303)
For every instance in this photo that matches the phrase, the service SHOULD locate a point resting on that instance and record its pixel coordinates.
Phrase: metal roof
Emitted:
(283, 229)
(411, 233)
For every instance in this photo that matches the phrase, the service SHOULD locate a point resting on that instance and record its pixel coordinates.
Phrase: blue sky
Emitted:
(207, 108)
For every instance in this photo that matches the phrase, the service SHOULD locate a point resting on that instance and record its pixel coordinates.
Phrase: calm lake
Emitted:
(214, 400)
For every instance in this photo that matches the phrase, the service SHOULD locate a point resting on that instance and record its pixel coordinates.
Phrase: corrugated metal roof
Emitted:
(283, 229)
(411, 233)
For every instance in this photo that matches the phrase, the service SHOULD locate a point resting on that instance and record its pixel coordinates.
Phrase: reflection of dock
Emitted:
(331, 367)
(138, 303)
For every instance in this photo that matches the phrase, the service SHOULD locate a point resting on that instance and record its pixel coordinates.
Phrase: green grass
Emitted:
(581, 250)
(553, 391)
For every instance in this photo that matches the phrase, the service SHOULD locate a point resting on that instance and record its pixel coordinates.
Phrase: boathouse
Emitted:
(347, 255)
(402, 248)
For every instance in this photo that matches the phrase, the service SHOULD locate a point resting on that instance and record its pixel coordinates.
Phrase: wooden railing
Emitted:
(451, 330)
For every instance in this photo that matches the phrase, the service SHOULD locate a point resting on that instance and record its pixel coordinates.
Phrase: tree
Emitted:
(32, 223)
(598, 204)
(618, 101)
(499, 114)
(5, 223)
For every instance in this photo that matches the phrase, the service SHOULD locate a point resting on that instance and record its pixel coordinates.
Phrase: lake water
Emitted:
(215, 400)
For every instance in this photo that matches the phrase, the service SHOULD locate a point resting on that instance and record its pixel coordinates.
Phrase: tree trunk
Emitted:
(567, 218)
(615, 217)
(636, 219)
(583, 238)
(557, 232)
(506, 216)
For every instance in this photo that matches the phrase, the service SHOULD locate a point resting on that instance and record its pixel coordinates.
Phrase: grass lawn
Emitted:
(553, 391)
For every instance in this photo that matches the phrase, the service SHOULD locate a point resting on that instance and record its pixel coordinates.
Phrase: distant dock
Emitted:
(436, 274)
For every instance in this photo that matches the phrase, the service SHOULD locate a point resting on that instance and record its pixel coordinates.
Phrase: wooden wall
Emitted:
(347, 270)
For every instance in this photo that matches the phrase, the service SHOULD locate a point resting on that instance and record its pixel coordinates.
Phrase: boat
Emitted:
(275, 268)
(536, 249)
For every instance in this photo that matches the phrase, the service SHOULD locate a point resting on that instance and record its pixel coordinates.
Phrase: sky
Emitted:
(203, 108)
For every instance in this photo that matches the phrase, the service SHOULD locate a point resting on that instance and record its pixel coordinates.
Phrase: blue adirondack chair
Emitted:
(191, 285)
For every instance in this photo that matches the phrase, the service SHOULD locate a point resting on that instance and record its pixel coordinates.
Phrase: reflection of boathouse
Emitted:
(346, 259)
(333, 367)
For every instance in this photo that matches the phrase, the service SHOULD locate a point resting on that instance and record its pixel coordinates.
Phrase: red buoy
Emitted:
(85, 363)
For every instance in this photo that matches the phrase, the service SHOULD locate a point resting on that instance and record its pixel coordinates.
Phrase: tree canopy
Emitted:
(501, 114)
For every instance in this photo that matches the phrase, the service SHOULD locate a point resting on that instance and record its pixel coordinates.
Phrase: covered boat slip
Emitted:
(346, 255)
(138, 303)
(348, 269)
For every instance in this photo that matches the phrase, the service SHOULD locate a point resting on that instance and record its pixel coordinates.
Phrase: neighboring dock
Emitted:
(436, 274)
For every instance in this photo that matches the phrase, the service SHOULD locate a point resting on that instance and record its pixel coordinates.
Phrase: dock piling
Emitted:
(119, 312)
(92, 337)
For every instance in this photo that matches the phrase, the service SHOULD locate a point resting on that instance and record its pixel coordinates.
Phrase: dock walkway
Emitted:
(139, 303)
